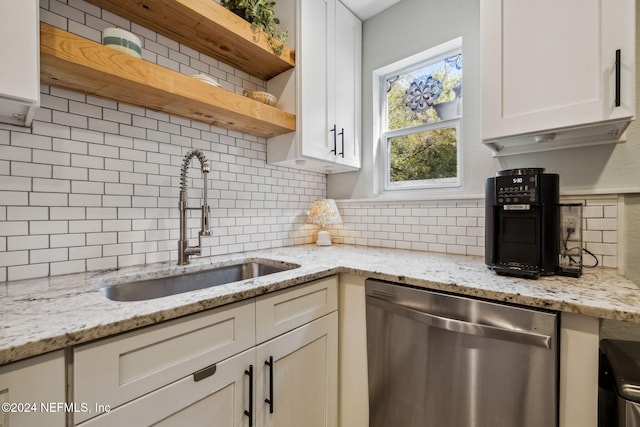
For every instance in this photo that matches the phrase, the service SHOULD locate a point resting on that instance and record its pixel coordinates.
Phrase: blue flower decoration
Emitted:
(422, 93)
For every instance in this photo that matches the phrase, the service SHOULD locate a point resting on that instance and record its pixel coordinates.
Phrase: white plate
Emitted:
(206, 79)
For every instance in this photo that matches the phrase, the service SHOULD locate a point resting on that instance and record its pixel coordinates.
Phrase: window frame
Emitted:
(380, 76)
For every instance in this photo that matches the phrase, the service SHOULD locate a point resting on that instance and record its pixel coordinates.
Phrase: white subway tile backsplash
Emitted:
(90, 187)
(73, 173)
(116, 201)
(116, 249)
(51, 158)
(48, 255)
(610, 236)
(457, 227)
(105, 126)
(84, 109)
(102, 263)
(116, 20)
(63, 9)
(15, 198)
(48, 199)
(87, 161)
(51, 129)
(51, 185)
(20, 243)
(85, 200)
(133, 131)
(29, 271)
(27, 213)
(67, 267)
(19, 139)
(68, 119)
(11, 153)
(604, 224)
(75, 146)
(611, 211)
(88, 226)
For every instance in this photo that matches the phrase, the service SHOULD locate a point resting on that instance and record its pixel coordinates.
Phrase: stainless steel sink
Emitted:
(171, 285)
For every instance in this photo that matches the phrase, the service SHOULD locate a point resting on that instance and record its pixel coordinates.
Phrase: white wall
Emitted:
(414, 25)
(406, 28)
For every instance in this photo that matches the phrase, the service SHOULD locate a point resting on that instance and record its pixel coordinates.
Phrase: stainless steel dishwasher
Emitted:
(440, 360)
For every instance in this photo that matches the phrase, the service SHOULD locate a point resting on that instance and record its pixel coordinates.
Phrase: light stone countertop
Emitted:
(42, 315)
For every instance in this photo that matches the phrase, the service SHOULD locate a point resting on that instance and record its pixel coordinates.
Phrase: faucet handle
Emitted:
(204, 230)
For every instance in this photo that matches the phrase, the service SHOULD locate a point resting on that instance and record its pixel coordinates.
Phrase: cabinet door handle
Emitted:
(618, 68)
(269, 363)
(342, 134)
(335, 140)
(249, 413)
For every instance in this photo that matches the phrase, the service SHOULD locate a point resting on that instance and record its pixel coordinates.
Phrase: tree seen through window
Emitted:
(424, 107)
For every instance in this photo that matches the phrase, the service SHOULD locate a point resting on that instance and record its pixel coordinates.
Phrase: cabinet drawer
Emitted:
(218, 400)
(282, 311)
(119, 369)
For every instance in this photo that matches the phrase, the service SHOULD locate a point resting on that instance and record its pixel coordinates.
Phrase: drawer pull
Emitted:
(204, 373)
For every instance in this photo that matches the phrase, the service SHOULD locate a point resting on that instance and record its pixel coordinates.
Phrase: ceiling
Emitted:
(365, 9)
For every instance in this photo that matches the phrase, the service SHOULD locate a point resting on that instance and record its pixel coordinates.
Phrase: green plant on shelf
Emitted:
(261, 15)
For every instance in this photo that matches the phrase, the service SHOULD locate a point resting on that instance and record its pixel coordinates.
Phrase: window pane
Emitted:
(424, 156)
(426, 95)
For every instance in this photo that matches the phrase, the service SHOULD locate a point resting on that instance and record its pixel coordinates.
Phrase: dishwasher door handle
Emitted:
(461, 326)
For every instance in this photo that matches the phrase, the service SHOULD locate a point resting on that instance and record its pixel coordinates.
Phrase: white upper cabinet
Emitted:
(19, 56)
(348, 65)
(556, 74)
(323, 90)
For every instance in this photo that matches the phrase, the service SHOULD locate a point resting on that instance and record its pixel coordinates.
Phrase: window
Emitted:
(421, 118)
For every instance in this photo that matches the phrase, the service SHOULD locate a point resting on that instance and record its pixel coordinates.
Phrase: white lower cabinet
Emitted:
(298, 381)
(111, 372)
(205, 370)
(32, 392)
(297, 356)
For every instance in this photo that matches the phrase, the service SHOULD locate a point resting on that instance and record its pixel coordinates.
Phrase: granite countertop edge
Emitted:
(47, 314)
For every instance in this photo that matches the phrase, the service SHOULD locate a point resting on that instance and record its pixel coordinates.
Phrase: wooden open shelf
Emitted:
(209, 28)
(76, 63)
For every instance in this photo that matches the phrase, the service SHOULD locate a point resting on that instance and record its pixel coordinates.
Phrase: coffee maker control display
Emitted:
(517, 189)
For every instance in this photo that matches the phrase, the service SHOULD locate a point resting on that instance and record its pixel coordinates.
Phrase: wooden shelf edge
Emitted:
(209, 28)
(73, 62)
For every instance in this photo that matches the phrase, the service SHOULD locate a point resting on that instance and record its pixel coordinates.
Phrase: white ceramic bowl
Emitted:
(123, 41)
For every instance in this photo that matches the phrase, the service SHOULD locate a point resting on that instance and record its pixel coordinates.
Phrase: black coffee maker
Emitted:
(522, 222)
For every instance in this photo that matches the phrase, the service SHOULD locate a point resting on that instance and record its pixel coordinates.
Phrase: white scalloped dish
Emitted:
(206, 79)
